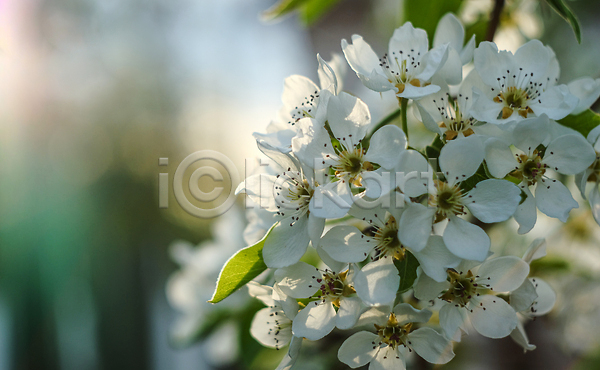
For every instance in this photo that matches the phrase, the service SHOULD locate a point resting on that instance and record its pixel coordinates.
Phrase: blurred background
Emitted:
(93, 93)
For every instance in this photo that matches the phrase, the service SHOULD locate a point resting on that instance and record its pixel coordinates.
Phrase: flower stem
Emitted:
(494, 20)
(403, 109)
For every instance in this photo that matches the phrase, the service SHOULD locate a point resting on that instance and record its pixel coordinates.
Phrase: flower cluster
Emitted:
(401, 232)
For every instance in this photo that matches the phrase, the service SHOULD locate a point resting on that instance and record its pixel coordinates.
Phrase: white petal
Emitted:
(499, 158)
(263, 293)
(347, 244)
(334, 265)
(435, 259)
(491, 63)
(522, 298)
(587, 90)
(291, 356)
(485, 109)
(312, 143)
(536, 250)
(546, 297)
(449, 30)
(262, 325)
(493, 200)
(296, 280)
(348, 313)
(348, 117)
(432, 61)
(533, 56)
(385, 146)
(520, 337)
(556, 102)
(496, 321)
(554, 199)
(286, 243)
(529, 133)
(503, 274)
(327, 77)
(365, 63)
(358, 349)
(406, 313)
(377, 282)
(451, 71)
(409, 39)
(288, 304)
(426, 288)
(466, 55)
(315, 321)
(526, 213)
(415, 174)
(452, 319)
(414, 227)
(459, 159)
(388, 359)
(466, 240)
(431, 345)
(315, 228)
(594, 199)
(295, 90)
(569, 154)
(331, 200)
(426, 116)
(413, 92)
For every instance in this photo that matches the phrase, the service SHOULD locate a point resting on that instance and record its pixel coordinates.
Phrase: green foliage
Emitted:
(426, 13)
(479, 176)
(313, 10)
(407, 269)
(583, 122)
(478, 28)
(281, 8)
(310, 11)
(564, 11)
(244, 266)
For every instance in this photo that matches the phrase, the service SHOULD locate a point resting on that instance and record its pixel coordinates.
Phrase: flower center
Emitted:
(531, 168)
(333, 287)
(387, 240)
(452, 118)
(351, 165)
(294, 193)
(448, 200)
(393, 334)
(513, 99)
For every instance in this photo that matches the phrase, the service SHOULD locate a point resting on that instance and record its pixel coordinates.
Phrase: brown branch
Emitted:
(494, 20)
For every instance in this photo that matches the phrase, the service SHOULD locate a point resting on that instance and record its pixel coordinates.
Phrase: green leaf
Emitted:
(564, 11)
(281, 8)
(583, 122)
(242, 267)
(407, 269)
(313, 10)
(479, 176)
(425, 14)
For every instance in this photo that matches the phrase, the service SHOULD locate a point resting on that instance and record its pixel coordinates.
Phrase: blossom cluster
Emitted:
(401, 233)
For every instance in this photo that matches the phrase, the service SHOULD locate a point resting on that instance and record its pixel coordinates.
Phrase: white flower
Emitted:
(568, 154)
(395, 338)
(533, 298)
(592, 174)
(407, 68)
(348, 119)
(451, 31)
(290, 193)
(378, 281)
(587, 90)
(469, 295)
(303, 98)
(272, 326)
(451, 118)
(334, 289)
(520, 85)
(490, 201)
